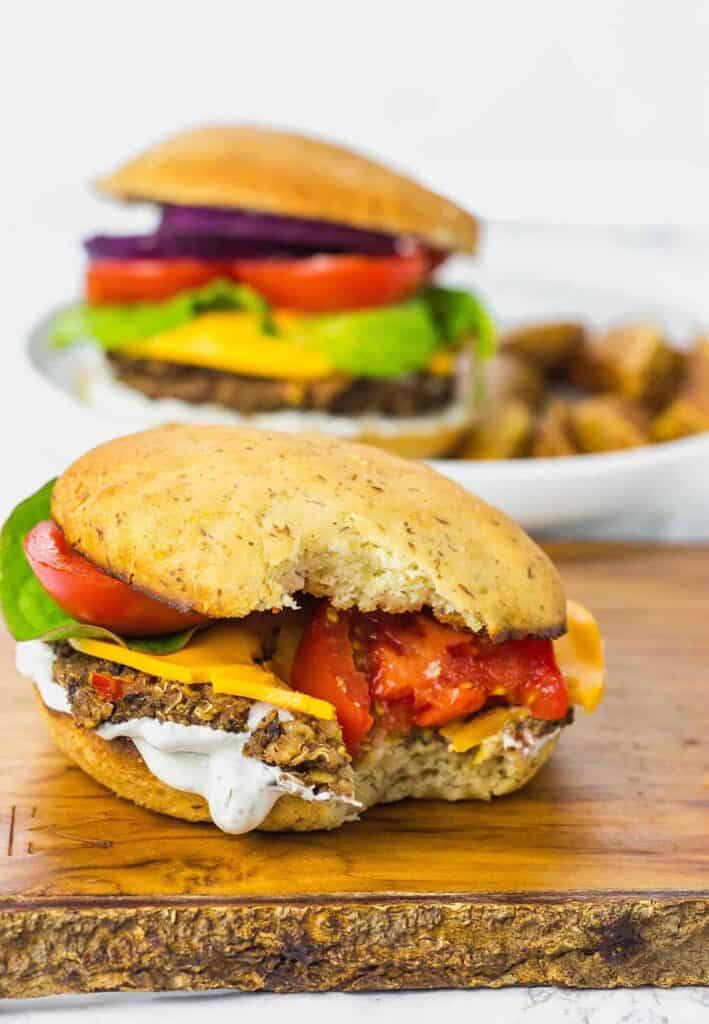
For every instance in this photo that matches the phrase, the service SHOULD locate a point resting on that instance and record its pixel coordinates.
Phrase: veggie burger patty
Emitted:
(408, 395)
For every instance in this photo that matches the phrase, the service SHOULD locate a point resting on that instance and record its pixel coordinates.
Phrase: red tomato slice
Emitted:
(324, 667)
(321, 284)
(146, 280)
(447, 673)
(90, 595)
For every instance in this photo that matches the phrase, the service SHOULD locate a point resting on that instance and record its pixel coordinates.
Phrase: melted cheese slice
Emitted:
(258, 684)
(463, 735)
(442, 363)
(579, 655)
(236, 343)
(223, 656)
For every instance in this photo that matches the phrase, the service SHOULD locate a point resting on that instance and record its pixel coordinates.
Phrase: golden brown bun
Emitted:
(394, 769)
(294, 175)
(229, 520)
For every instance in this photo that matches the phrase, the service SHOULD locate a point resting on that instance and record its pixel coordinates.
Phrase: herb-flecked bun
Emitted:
(280, 172)
(229, 520)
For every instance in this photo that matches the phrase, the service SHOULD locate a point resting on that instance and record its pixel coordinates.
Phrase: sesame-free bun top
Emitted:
(228, 520)
(293, 175)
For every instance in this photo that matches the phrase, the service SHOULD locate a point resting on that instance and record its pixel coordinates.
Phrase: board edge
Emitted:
(353, 945)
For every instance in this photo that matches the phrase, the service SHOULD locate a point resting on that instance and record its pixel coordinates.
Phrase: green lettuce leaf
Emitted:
(29, 611)
(115, 326)
(459, 315)
(167, 644)
(72, 630)
(393, 340)
(384, 342)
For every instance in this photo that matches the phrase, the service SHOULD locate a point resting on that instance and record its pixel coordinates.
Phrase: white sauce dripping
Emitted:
(240, 790)
(527, 744)
(34, 659)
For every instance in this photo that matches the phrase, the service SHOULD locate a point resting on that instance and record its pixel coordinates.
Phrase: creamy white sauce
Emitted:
(34, 659)
(240, 790)
(528, 745)
(91, 379)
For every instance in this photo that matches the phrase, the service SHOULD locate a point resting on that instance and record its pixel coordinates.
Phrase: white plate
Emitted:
(641, 484)
(542, 494)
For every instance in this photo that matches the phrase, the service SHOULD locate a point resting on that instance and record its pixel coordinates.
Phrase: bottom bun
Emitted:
(392, 768)
(118, 766)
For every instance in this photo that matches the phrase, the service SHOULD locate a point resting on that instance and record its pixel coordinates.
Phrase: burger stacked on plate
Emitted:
(288, 284)
(278, 631)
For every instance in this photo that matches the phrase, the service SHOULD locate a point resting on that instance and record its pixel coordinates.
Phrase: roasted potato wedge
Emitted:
(553, 389)
(549, 345)
(509, 376)
(552, 432)
(504, 433)
(633, 361)
(608, 423)
(688, 413)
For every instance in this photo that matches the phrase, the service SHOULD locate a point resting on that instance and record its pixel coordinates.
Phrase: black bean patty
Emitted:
(338, 395)
(308, 748)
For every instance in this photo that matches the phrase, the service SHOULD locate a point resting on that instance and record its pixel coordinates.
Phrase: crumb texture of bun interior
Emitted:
(231, 520)
(293, 175)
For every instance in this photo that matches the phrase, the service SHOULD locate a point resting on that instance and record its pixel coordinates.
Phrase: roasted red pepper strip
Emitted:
(420, 672)
(447, 673)
(110, 688)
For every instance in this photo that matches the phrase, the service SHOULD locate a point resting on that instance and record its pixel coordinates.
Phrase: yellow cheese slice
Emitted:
(225, 644)
(463, 735)
(151, 664)
(442, 363)
(235, 343)
(221, 655)
(268, 688)
(579, 655)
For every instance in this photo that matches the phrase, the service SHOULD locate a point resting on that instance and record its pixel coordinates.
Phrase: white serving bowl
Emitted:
(553, 494)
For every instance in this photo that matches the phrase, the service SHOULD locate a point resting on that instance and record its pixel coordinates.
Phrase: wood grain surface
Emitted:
(596, 874)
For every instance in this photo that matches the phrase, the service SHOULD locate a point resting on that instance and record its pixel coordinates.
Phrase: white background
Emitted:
(560, 112)
(550, 110)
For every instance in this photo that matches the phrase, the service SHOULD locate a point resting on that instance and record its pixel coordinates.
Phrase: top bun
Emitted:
(293, 175)
(228, 521)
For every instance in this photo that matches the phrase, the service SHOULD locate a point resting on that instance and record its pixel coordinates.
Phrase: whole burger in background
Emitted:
(289, 285)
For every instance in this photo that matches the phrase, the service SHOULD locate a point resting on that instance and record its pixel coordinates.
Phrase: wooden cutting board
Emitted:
(596, 874)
